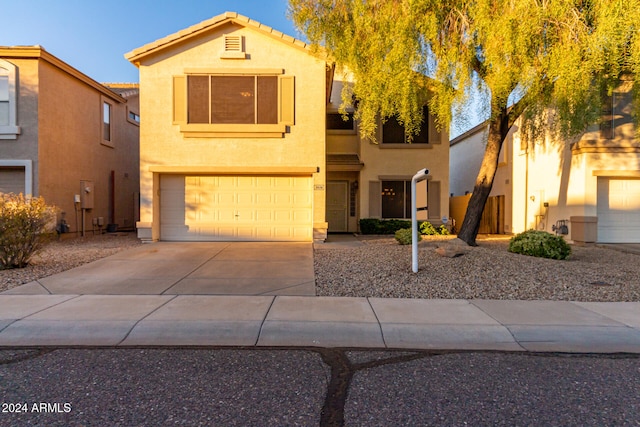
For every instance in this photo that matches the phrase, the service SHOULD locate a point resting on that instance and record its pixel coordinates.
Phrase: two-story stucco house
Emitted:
(241, 141)
(69, 139)
(587, 189)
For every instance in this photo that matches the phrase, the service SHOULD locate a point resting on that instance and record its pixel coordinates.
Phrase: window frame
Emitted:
(285, 105)
(425, 131)
(11, 130)
(406, 196)
(342, 131)
(110, 141)
(135, 115)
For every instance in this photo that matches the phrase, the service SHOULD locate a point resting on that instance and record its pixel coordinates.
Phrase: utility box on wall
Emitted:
(86, 194)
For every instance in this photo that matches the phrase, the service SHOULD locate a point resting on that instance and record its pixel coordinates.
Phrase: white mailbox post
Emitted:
(421, 175)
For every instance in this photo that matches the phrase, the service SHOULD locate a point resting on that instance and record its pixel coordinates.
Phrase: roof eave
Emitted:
(136, 55)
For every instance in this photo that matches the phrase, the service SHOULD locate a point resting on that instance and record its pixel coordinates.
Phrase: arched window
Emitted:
(8, 101)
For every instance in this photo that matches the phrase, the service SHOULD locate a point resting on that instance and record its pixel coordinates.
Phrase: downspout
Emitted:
(112, 198)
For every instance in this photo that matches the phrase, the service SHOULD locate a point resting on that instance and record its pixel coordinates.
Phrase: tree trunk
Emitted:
(498, 129)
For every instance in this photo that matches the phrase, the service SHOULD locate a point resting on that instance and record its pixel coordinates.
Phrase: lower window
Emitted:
(396, 199)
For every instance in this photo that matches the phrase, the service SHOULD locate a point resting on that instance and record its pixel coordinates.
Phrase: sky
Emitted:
(93, 36)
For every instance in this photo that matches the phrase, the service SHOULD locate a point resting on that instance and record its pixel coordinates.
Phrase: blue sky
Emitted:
(93, 36)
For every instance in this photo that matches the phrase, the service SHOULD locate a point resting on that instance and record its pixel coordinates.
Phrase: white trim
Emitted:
(12, 130)
(28, 172)
(112, 135)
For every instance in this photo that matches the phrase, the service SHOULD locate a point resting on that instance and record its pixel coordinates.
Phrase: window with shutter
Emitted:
(221, 104)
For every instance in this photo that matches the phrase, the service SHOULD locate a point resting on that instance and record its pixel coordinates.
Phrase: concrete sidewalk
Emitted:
(298, 321)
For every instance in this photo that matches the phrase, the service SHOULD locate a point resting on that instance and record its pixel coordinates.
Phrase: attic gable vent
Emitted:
(233, 47)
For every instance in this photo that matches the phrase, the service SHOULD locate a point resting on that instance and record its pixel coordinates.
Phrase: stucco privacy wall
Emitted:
(165, 148)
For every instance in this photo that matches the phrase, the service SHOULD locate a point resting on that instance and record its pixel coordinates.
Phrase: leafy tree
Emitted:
(527, 56)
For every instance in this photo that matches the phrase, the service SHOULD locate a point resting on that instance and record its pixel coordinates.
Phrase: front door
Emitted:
(337, 206)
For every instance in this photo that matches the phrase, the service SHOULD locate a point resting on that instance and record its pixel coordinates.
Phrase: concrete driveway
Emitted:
(181, 268)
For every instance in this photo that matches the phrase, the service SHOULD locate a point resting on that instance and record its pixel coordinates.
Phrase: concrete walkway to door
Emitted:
(194, 268)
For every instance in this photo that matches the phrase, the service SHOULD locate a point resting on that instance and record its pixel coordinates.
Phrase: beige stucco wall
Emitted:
(60, 118)
(71, 149)
(383, 162)
(465, 158)
(340, 141)
(162, 143)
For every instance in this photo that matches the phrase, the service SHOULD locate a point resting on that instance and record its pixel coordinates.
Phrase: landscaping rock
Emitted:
(452, 248)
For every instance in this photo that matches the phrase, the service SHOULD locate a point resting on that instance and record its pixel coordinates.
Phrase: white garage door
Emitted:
(236, 208)
(618, 210)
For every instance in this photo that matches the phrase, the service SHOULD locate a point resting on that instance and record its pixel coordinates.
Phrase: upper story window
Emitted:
(233, 99)
(9, 128)
(337, 122)
(106, 121)
(4, 97)
(394, 133)
(234, 104)
(134, 117)
(616, 121)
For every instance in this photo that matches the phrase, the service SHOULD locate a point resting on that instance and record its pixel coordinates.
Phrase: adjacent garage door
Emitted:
(236, 208)
(12, 180)
(618, 210)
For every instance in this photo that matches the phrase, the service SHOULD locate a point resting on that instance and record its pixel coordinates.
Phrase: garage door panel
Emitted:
(618, 210)
(237, 208)
(264, 215)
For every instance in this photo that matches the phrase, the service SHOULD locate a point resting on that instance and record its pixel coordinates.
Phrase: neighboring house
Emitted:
(69, 139)
(240, 141)
(590, 184)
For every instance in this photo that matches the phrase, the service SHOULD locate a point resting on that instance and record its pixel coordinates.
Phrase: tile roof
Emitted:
(135, 55)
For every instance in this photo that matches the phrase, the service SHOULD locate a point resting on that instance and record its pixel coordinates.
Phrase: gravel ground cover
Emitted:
(382, 268)
(65, 254)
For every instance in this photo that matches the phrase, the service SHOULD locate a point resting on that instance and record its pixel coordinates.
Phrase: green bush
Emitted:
(26, 225)
(428, 229)
(390, 226)
(540, 244)
(382, 226)
(404, 236)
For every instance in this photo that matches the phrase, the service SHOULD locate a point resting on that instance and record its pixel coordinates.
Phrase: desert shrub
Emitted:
(382, 226)
(443, 230)
(404, 236)
(26, 225)
(369, 226)
(428, 229)
(540, 244)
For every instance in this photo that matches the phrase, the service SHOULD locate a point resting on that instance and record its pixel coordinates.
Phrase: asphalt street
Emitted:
(310, 387)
